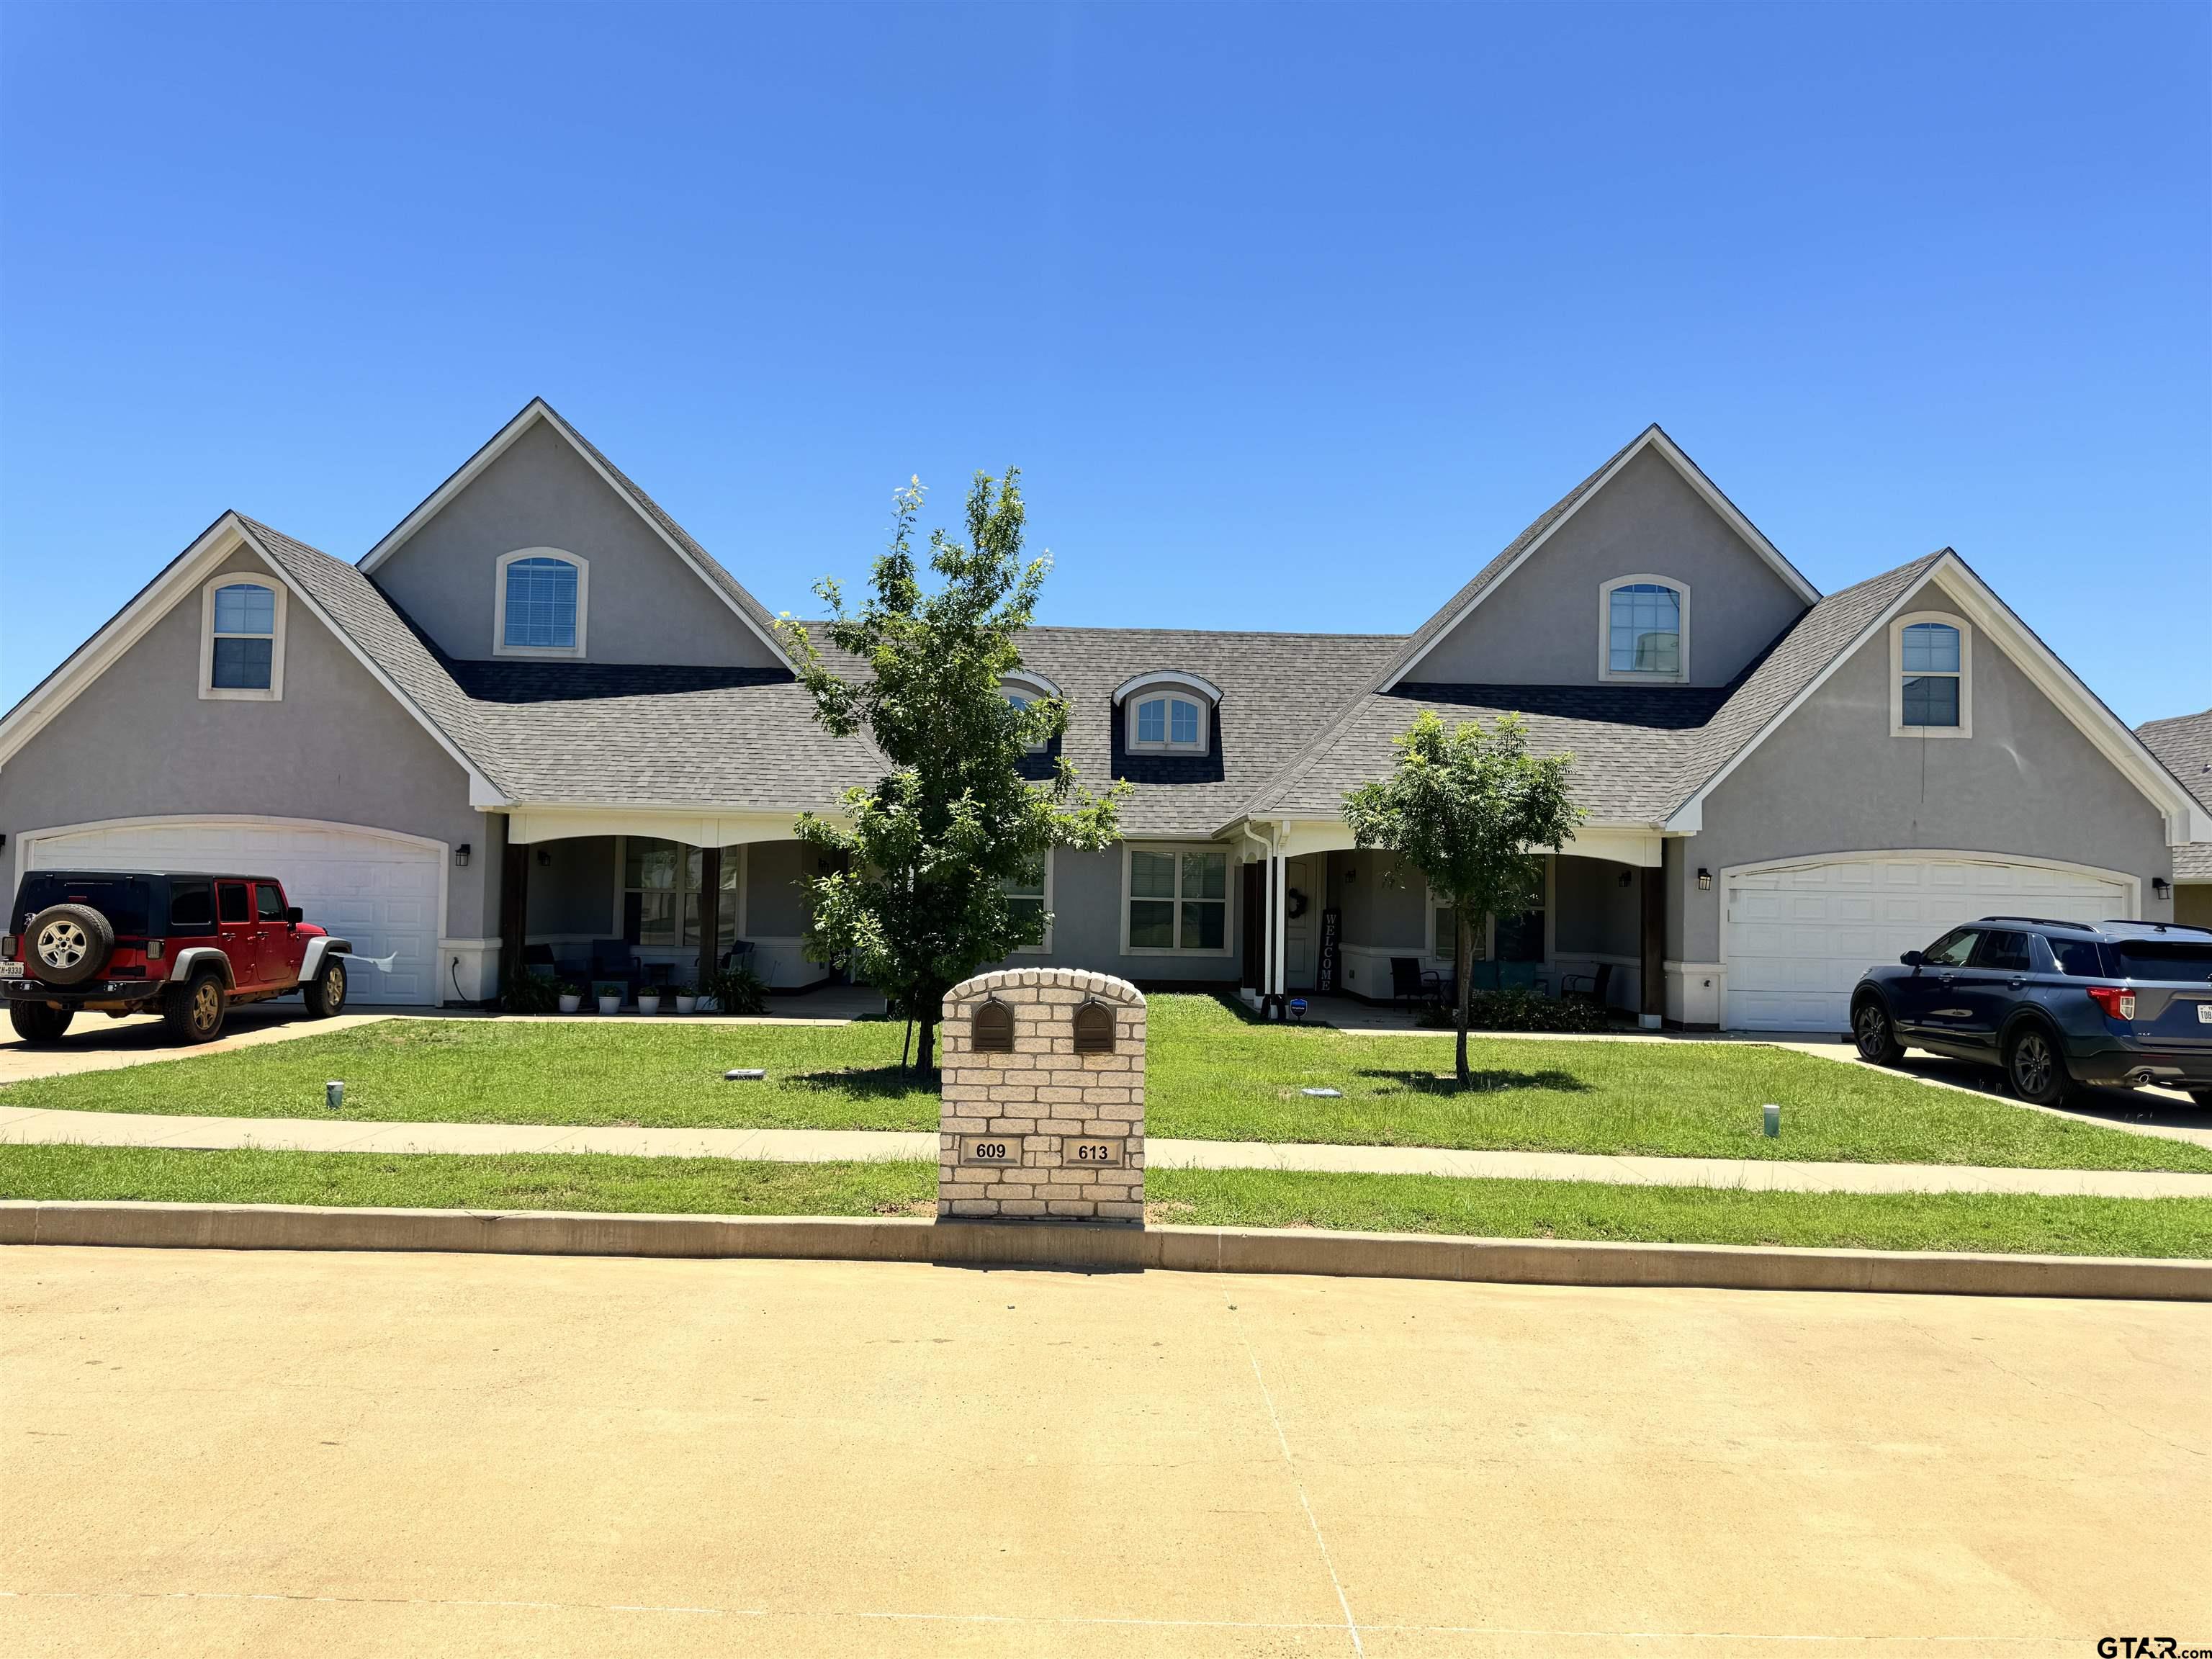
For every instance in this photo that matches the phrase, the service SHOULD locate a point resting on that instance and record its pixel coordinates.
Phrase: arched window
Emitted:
(1930, 677)
(1644, 629)
(1168, 712)
(242, 640)
(541, 603)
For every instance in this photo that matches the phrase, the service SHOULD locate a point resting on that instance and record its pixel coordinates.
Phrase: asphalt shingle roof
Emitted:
(2184, 744)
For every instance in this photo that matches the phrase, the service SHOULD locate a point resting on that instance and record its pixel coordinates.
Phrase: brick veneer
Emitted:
(1043, 1095)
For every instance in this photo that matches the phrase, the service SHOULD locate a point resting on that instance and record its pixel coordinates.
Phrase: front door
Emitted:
(236, 933)
(1302, 922)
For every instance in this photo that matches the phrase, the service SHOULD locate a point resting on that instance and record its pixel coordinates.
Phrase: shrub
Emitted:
(1522, 1010)
(736, 991)
(610, 988)
(530, 994)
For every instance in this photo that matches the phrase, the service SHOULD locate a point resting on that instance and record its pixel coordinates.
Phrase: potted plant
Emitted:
(571, 996)
(609, 993)
(648, 1001)
(687, 1001)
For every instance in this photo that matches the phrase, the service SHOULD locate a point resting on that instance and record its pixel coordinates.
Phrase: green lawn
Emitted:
(1212, 1075)
(1245, 1198)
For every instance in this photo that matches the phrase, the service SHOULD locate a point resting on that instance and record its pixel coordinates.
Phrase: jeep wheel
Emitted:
(1876, 1036)
(2034, 1066)
(195, 1011)
(36, 1022)
(325, 995)
(68, 944)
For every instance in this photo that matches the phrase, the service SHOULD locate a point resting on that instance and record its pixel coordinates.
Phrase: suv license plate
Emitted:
(2204, 1013)
(15, 970)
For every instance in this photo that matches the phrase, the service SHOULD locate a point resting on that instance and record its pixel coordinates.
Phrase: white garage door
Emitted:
(379, 891)
(1795, 939)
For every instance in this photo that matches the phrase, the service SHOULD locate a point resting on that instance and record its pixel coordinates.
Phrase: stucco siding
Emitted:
(776, 903)
(1832, 778)
(1594, 916)
(572, 894)
(1086, 933)
(1540, 627)
(139, 742)
(644, 604)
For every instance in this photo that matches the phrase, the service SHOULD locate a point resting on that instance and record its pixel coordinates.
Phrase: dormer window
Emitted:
(1168, 714)
(242, 640)
(541, 603)
(1643, 629)
(1023, 690)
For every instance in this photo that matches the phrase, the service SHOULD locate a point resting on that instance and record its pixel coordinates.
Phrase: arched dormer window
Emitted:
(1168, 713)
(242, 640)
(1644, 629)
(1025, 687)
(540, 604)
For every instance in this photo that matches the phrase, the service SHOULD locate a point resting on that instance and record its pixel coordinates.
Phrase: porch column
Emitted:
(710, 914)
(1278, 925)
(1653, 1004)
(513, 909)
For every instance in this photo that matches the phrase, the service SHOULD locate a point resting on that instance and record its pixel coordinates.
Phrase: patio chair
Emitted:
(1522, 976)
(1588, 988)
(1407, 986)
(1482, 975)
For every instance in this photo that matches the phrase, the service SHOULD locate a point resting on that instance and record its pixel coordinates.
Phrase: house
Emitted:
(2185, 745)
(538, 714)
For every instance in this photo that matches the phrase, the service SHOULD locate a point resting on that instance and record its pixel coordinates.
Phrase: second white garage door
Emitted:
(1795, 938)
(378, 889)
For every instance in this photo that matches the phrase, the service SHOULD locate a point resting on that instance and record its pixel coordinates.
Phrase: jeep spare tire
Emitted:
(68, 944)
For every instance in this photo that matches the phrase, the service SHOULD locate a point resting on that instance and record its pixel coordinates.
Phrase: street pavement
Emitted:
(264, 1452)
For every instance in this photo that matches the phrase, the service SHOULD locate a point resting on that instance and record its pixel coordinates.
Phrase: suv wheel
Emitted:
(68, 944)
(35, 1023)
(195, 1011)
(2034, 1066)
(326, 994)
(1876, 1036)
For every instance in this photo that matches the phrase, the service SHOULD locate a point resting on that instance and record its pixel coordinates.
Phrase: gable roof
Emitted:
(725, 587)
(333, 591)
(2184, 744)
(1524, 546)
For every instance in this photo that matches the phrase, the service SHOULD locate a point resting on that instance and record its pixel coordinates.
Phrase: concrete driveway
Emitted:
(340, 1454)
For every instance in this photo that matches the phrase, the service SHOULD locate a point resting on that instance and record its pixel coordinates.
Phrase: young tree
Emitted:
(928, 849)
(1465, 808)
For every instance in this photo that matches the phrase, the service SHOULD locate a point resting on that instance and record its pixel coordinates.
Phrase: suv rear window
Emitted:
(2160, 958)
(191, 907)
(124, 900)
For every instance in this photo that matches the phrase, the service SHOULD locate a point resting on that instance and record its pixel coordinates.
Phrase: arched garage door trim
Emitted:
(439, 851)
(2130, 904)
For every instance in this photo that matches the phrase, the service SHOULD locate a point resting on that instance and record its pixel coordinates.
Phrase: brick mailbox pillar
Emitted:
(1043, 1113)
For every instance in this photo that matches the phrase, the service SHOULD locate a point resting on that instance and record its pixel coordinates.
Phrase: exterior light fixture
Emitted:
(1627, 876)
(1705, 879)
(461, 855)
(544, 858)
(2160, 886)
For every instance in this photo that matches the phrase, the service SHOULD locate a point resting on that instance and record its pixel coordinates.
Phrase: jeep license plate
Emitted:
(10, 969)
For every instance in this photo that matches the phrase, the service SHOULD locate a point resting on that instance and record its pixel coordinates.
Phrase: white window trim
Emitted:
(209, 692)
(1036, 689)
(684, 953)
(1489, 931)
(1203, 693)
(499, 645)
(1897, 728)
(1043, 947)
(1643, 676)
(1229, 942)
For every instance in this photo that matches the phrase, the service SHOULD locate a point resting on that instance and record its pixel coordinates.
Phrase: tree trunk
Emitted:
(1463, 943)
(925, 1014)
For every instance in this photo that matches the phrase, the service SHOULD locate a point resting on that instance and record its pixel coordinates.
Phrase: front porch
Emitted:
(656, 909)
(1332, 919)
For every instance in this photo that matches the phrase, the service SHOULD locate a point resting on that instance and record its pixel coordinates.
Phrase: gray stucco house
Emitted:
(2184, 744)
(538, 713)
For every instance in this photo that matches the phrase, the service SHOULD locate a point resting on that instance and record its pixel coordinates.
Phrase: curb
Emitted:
(1085, 1245)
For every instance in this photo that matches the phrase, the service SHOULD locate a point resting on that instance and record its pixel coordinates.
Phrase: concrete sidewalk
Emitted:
(337, 1134)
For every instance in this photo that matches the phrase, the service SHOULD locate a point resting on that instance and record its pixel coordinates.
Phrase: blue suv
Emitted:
(2054, 1003)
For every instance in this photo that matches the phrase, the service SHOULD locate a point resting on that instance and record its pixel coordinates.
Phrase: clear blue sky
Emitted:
(1292, 316)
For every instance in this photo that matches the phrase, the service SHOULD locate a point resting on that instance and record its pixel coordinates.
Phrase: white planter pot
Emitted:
(609, 1004)
(570, 1004)
(687, 1004)
(648, 1002)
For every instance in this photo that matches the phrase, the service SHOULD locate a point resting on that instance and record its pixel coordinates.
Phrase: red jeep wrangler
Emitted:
(185, 946)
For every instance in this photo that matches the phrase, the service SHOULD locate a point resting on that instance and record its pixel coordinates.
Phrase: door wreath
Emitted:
(1294, 904)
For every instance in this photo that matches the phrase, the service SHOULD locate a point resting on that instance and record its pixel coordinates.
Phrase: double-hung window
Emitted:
(1028, 898)
(541, 602)
(1931, 677)
(661, 896)
(1643, 631)
(1178, 899)
(242, 640)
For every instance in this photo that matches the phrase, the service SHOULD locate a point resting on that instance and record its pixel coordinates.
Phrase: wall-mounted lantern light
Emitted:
(461, 855)
(1627, 876)
(1705, 879)
(2159, 887)
(544, 858)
